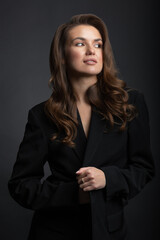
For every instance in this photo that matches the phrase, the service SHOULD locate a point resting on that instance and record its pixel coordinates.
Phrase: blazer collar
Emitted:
(86, 147)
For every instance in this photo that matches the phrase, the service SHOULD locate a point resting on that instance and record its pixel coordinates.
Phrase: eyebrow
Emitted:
(83, 39)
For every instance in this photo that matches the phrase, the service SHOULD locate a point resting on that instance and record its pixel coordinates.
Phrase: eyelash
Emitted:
(100, 45)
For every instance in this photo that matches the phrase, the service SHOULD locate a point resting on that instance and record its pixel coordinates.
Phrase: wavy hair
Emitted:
(108, 95)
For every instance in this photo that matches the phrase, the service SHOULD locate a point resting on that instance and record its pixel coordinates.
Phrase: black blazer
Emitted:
(124, 157)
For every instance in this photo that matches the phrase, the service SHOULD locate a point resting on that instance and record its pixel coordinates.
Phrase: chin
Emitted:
(87, 73)
(93, 73)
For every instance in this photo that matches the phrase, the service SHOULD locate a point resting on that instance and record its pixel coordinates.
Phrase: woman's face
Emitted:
(83, 51)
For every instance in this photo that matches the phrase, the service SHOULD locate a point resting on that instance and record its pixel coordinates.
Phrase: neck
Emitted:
(80, 86)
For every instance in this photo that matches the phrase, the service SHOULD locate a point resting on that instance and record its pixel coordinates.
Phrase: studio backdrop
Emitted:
(27, 29)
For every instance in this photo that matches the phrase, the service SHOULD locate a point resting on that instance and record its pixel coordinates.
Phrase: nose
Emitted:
(90, 50)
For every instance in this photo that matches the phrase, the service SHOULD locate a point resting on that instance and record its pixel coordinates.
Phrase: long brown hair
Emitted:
(108, 95)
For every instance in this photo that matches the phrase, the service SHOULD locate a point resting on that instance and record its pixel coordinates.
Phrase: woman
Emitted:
(94, 133)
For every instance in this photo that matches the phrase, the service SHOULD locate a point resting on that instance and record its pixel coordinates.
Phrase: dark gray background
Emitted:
(26, 30)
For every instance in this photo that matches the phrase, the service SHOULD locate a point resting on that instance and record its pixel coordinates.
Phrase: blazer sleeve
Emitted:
(128, 182)
(26, 185)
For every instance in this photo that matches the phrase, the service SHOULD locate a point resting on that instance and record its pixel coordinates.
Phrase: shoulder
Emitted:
(37, 112)
(38, 117)
(38, 108)
(136, 98)
(134, 95)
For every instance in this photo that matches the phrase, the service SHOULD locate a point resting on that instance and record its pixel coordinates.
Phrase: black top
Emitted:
(125, 158)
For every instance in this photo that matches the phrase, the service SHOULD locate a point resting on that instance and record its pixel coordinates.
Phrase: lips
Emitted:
(90, 60)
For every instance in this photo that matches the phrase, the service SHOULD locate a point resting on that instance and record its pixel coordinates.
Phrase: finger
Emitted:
(85, 184)
(81, 170)
(82, 175)
(84, 179)
(89, 188)
(81, 180)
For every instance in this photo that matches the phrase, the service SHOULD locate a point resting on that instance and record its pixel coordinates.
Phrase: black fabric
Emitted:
(81, 140)
(124, 157)
(65, 223)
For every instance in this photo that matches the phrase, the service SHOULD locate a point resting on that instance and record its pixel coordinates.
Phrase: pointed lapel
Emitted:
(86, 147)
(96, 129)
(80, 140)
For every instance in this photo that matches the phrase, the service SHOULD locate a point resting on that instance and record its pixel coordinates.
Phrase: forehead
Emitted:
(86, 31)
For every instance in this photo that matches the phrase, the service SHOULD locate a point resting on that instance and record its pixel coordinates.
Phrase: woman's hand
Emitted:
(91, 178)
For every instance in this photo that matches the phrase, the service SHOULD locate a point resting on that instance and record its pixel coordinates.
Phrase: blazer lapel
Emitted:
(86, 147)
(80, 140)
(96, 129)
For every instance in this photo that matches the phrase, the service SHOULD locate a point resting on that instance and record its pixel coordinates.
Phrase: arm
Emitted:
(129, 181)
(25, 184)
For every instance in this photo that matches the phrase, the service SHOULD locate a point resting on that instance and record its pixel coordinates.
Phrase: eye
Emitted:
(79, 44)
(98, 45)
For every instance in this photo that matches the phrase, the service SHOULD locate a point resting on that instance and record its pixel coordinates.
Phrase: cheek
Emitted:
(74, 56)
(100, 60)
(101, 56)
